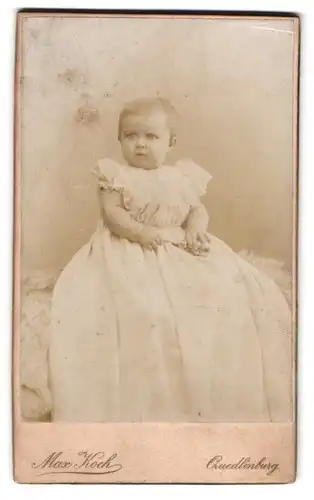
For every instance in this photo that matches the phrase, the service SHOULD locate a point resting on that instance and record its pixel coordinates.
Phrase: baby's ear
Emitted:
(173, 140)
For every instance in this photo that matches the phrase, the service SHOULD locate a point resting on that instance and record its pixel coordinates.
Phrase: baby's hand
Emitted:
(174, 235)
(150, 237)
(200, 249)
(196, 239)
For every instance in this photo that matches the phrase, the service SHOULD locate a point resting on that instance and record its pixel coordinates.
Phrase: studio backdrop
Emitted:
(229, 80)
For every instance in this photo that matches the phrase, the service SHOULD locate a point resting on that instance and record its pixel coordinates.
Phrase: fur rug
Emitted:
(37, 289)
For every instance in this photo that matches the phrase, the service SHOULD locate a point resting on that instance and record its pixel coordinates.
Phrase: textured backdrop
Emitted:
(231, 82)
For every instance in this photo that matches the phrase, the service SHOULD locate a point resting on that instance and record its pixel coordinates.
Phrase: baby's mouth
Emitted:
(140, 153)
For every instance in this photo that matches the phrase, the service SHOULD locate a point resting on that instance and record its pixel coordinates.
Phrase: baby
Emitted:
(146, 132)
(158, 324)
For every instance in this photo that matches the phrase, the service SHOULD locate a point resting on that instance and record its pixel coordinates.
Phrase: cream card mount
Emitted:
(155, 284)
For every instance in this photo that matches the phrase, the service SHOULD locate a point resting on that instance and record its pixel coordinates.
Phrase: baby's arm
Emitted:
(120, 222)
(197, 218)
(196, 226)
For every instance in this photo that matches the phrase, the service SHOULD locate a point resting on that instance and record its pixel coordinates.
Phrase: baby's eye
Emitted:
(130, 135)
(151, 136)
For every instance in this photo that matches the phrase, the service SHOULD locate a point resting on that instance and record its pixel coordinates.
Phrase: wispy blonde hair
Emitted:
(144, 106)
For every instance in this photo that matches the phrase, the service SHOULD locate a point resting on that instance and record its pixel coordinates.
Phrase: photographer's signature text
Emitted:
(84, 462)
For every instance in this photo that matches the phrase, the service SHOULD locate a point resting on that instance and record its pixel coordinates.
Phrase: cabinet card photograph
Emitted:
(155, 247)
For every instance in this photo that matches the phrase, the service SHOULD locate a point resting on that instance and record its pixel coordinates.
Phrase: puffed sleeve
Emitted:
(197, 176)
(111, 177)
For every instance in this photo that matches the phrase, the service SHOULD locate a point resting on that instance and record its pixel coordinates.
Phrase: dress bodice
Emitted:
(161, 197)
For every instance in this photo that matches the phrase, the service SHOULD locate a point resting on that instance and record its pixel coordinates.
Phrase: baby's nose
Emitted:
(140, 142)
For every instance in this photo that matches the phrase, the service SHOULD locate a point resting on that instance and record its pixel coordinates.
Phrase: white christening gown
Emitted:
(144, 335)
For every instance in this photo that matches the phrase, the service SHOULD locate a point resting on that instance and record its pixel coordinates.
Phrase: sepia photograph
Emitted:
(156, 175)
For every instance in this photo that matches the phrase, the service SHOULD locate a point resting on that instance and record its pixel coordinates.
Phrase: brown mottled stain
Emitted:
(87, 114)
(34, 33)
(72, 77)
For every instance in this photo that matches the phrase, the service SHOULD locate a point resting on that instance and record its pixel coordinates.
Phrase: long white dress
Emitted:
(144, 335)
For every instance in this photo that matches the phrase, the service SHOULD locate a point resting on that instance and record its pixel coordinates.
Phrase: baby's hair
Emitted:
(149, 105)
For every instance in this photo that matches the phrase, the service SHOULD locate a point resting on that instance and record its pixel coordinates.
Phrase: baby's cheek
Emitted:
(128, 150)
(157, 152)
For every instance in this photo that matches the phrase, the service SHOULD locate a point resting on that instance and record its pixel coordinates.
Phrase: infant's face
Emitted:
(145, 140)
